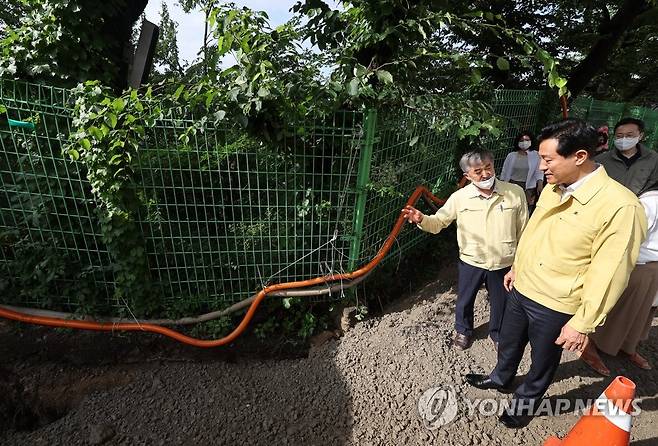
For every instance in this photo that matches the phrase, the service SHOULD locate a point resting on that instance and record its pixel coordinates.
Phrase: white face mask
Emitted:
(625, 143)
(486, 184)
(524, 145)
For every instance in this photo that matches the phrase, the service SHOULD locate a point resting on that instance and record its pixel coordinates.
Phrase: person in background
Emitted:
(631, 163)
(521, 167)
(629, 321)
(572, 264)
(603, 140)
(490, 215)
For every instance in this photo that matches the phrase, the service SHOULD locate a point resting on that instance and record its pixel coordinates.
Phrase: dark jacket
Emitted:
(640, 177)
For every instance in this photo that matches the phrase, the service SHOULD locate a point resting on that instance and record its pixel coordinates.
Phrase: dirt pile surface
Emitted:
(361, 389)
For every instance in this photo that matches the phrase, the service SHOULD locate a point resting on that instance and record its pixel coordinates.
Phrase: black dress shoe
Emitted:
(511, 421)
(482, 382)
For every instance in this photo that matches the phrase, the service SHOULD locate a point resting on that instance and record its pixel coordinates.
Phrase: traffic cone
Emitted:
(607, 422)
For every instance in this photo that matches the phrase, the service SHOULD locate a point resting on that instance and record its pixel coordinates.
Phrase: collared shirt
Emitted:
(474, 192)
(488, 228)
(569, 190)
(576, 255)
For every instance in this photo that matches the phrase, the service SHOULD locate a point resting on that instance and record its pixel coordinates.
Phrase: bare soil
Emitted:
(80, 388)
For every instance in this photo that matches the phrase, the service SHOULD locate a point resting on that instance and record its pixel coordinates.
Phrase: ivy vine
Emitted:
(107, 137)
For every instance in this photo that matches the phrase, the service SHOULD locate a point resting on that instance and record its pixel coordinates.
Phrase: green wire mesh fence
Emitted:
(604, 113)
(520, 111)
(408, 152)
(231, 214)
(226, 214)
(49, 229)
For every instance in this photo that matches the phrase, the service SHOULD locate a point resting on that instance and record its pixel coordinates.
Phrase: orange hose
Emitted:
(106, 326)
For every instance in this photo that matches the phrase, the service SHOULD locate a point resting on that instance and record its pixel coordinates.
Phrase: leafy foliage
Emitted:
(68, 41)
(166, 58)
(396, 50)
(108, 137)
(370, 56)
(569, 31)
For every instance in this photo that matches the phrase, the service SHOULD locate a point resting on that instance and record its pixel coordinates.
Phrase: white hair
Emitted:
(474, 157)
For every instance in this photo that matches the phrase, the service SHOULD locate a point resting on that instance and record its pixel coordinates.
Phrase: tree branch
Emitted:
(598, 56)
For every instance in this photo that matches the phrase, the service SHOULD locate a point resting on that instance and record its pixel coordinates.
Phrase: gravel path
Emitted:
(361, 389)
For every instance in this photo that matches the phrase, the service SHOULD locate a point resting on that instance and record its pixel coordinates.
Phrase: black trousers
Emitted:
(468, 284)
(527, 321)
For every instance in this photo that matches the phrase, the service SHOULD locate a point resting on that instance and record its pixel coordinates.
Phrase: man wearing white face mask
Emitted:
(631, 164)
(490, 214)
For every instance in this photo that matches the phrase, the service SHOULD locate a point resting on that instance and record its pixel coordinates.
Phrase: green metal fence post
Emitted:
(363, 177)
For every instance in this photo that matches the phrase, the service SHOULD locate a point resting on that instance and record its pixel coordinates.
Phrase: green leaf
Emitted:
(502, 64)
(74, 154)
(385, 76)
(116, 159)
(212, 18)
(413, 141)
(353, 87)
(112, 120)
(263, 92)
(118, 105)
(543, 55)
(553, 78)
(209, 98)
(476, 76)
(85, 143)
(360, 70)
(117, 143)
(422, 31)
(178, 92)
(95, 132)
(233, 93)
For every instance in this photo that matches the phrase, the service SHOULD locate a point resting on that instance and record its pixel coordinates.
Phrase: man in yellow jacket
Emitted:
(572, 264)
(491, 215)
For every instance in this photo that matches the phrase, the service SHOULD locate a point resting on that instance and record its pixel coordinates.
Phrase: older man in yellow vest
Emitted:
(491, 215)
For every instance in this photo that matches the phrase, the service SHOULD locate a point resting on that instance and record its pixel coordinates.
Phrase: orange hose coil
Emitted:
(101, 326)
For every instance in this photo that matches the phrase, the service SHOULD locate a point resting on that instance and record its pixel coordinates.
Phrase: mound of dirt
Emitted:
(361, 389)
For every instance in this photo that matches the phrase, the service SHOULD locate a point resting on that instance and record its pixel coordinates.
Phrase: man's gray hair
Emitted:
(474, 157)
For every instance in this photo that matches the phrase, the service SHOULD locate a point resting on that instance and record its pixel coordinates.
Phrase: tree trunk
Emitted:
(205, 43)
(598, 56)
(116, 32)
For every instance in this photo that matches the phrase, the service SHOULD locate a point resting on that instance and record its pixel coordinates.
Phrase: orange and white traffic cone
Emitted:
(607, 422)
